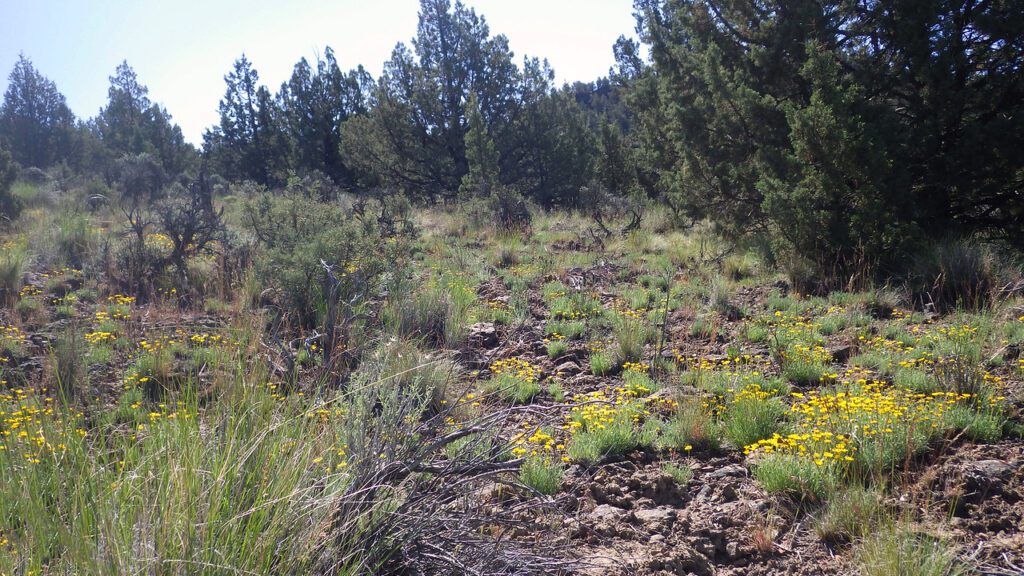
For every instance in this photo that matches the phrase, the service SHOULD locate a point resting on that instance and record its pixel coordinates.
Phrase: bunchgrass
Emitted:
(797, 477)
(897, 551)
(542, 474)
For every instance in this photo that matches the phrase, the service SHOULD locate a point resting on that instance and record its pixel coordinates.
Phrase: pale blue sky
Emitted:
(182, 49)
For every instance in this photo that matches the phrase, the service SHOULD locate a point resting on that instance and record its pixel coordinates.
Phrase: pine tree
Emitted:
(481, 155)
(35, 121)
(248, 143)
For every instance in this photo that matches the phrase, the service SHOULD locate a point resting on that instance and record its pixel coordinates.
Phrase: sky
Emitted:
(182, 49)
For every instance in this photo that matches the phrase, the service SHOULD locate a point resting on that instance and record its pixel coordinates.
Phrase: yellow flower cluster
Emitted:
(98, 337)
(724, 364)
(61, 273)
(23, 429)
(751, 391)
(638, 367)
(516, 368)
(11, 336)
(159, 241)
(791, 326)
(597, 410)
(820, 446)
(204, 339)
(805, 354)
(830, 426)
(28, 290)
(121, 299)
(536, 444)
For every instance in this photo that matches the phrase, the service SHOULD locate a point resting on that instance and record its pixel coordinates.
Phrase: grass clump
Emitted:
(752, 416)
(852, 514)
(680, 473)
(601, 426)
(515, 379)
(603, 362)
(691, 427)
(797, 477)
(897, 551)
(632, 332)
(542, 474)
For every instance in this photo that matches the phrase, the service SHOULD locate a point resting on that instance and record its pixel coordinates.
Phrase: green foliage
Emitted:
(34, 119)
(797, 477)
(897, 551)
(298, 235)
(481, 155)
(681, 474)
(691, 425)
(842, 159)
(748, 420)
(248, 143)
(12, 266)
(602, 363)
(10, 205)
(854, 513)
(542, 474)
(131, 125)
(613, 439)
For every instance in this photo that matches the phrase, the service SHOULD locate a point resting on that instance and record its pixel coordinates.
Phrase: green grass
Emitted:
(631, 334)
(799, 478)
(691, 427)
(556, 348)
(897, 551)
(542, 474)
(681, 474)
(603, 363)
(751, 419)
(852, 514)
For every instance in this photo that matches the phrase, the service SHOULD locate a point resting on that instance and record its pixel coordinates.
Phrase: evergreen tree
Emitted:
(843, 130)
(248, 143)
(314, 105)
(481, 154)
(131, 124)
(10, 205)
(415, 137)
(35, 121)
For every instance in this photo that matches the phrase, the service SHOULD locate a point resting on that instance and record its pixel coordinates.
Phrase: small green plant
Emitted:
(897, 551)
(632, 332)
(615, 438)
(750, 419)
(681, 474)
(852, 514)
(797, 477)
(568, 329)
(556, 391)
(804, 364)
(556, 348)
(542, 473)
(516, 379)
(691, 427)
(12, 266)
(602, 363)
(703, 328)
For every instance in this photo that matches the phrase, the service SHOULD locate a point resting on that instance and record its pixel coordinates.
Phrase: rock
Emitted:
(607, 512)
(994, 468)
(656, 519)
(984, 475)
(732, 470)
(842, 353)
(483, 335)
(567, 369)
